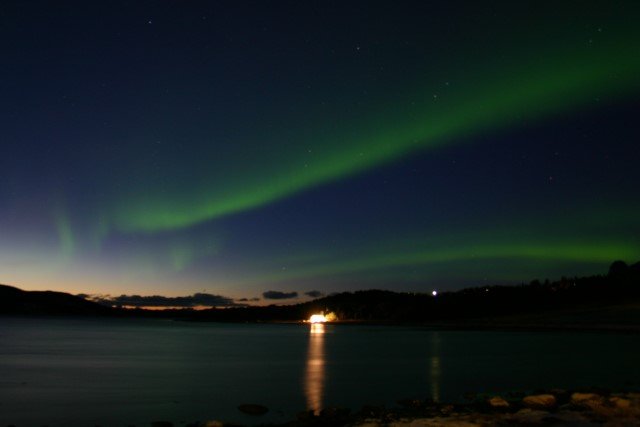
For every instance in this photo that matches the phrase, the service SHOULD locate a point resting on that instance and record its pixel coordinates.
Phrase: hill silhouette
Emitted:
(18, 302)
(613, 298)
(568, 299)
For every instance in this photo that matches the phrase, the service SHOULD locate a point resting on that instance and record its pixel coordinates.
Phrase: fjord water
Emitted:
(84, 372)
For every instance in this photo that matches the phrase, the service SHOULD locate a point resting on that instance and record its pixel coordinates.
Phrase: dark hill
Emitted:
(19, 302)
(613, 298)
(577, 296)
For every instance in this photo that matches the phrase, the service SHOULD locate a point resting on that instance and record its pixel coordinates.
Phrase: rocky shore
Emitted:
(550, 408)
(586, 408)
(554, 408)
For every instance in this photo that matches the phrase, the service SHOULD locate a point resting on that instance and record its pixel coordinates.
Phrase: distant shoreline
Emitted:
(505, 325)
(470, 325)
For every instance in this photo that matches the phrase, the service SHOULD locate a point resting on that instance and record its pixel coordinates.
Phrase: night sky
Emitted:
(235, 148)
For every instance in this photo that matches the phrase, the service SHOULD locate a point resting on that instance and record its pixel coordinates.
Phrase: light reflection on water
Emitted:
(315, 372)
(434, 367)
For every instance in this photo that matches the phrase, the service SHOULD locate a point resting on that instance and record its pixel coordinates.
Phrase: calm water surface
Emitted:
(71, 372)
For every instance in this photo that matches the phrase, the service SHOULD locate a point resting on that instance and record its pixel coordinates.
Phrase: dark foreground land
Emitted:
(551, 408)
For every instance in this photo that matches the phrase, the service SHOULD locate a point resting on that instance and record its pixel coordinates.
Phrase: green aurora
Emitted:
(524, 93)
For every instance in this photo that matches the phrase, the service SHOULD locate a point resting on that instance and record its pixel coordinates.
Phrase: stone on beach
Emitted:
(587, 400)
(620, 402)
(540, 401)
(498, 402)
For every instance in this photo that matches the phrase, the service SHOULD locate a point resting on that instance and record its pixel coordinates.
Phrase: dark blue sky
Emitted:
(239, 147)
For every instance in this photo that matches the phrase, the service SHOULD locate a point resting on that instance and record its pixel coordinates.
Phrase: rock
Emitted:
(582, 397)
(540, 401)
(333, 412)
(587, 400)
(161, 424)
(620, 403)
(253, 409)
(498, 402)
(529, 416)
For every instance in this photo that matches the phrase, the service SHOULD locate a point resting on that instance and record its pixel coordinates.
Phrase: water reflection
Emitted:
(314, 374)
(434, 367)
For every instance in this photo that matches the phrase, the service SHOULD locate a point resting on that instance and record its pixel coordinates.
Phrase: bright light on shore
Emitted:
(322, 318)
(317, 318)
(434, 293)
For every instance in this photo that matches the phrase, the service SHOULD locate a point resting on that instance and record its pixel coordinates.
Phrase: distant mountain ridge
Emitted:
(18, 302)
(612, 299)
(616, 296)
